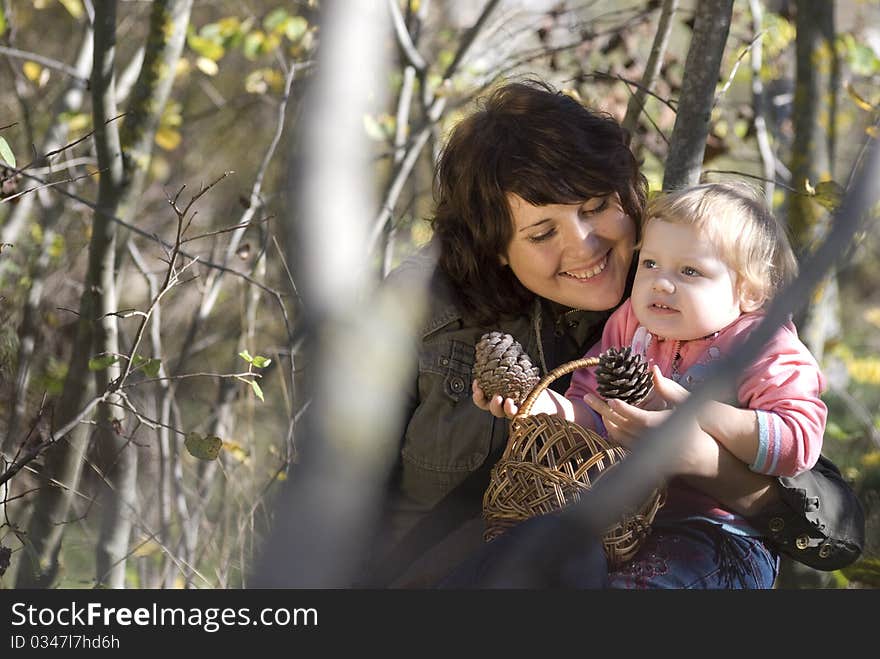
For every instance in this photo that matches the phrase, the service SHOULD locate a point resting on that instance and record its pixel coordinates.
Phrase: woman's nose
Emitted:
(579, 235)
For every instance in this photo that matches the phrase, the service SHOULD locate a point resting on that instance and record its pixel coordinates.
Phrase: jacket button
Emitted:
(802, 541)
(776, 524)
(444, 361)
(825, 550)
(457, 385)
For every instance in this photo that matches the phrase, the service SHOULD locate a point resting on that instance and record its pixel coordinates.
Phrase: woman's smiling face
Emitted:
(577, 255)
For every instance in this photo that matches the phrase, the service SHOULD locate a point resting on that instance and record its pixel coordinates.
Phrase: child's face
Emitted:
(682, 290)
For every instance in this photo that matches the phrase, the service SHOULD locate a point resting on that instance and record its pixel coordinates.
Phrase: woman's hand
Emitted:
(503, 408)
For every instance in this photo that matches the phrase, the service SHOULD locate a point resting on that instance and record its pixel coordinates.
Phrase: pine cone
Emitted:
(501, 366)
(623, 375)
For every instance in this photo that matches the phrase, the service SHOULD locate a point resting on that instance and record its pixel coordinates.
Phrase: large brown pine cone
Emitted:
(501, 366)
(623, 375)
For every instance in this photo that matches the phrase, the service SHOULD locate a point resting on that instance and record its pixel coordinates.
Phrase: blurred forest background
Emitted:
(150, 361)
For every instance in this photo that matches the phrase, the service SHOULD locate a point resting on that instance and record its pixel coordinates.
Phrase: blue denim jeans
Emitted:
(700, 555)
(677, 554)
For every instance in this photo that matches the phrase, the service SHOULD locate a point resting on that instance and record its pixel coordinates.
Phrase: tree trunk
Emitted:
(168, 23)
(701, 70)
(97, 331)
(652, 68)
(70, 101)
(811, 157)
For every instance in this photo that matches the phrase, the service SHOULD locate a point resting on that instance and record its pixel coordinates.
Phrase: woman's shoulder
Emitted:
(419, 281)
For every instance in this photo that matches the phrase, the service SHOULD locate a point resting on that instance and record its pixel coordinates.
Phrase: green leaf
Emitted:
(206, 47)
(203, 447)
(295, 28)
(2, 22)
(253, 44)
(275, 19)
(6, 153)
(101, 362)
(261, 362)
(245, 355)
(828, 194)
(257, 390)
(151, 368)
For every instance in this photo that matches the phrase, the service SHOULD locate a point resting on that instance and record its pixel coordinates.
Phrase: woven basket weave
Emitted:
(548, 463)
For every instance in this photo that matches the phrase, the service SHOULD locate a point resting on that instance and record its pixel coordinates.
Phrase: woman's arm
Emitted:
(714, 470)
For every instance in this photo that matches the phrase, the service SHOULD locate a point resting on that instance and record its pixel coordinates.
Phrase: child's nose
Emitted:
(662, 284)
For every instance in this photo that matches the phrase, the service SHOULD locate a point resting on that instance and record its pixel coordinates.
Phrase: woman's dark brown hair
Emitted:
(531, 140)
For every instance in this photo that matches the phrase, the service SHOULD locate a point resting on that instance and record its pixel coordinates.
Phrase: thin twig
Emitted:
(48, 62)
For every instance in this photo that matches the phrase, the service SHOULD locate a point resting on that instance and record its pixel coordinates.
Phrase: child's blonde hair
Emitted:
(748, 237)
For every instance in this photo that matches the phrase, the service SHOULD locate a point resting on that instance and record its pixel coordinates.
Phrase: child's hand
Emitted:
(625, 423)
(668, 392)
(502, 408)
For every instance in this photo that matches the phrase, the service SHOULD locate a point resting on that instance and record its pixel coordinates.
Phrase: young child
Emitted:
(711, 257)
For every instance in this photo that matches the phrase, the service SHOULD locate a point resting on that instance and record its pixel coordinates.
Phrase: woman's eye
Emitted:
(542, 236)
(596, 207)
(649, 263)
(690, 272)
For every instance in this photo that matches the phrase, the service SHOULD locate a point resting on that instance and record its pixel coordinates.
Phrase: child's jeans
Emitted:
(677, 554)
(697, 554)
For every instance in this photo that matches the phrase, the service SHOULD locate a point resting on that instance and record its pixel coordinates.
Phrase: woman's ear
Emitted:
(503, 259)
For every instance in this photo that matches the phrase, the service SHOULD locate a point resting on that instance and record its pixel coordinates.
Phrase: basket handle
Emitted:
(557, 372)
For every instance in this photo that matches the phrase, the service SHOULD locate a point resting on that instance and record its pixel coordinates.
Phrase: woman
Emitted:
(539, 203)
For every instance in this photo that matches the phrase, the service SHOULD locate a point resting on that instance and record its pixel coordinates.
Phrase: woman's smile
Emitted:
(591, 272)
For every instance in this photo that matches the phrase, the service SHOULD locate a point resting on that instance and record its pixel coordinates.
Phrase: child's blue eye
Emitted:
(649, 263)
(690, 272)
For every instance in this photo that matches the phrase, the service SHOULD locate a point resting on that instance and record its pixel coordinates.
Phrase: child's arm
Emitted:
(782, 390)
(780, 434)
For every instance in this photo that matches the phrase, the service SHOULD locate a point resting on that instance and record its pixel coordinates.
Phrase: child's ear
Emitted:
(750, 299)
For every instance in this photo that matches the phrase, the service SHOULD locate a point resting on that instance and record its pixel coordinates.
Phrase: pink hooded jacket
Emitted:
(782, 386)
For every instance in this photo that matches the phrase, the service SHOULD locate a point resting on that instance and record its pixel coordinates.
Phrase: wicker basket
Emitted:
(548, 463)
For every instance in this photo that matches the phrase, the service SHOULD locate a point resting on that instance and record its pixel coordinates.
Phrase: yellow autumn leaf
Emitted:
(421, 233)
(828, 194)
(36, 232)
(871, 459)
(168, 138)
(32, 70)
(207, 66)
(872, 131)
(865, 370)
(236, 451)
(79, 121)
(148, 548)
(254, 83)
(854, 95)
(872, 315)
(73, 7)
(203, 447)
